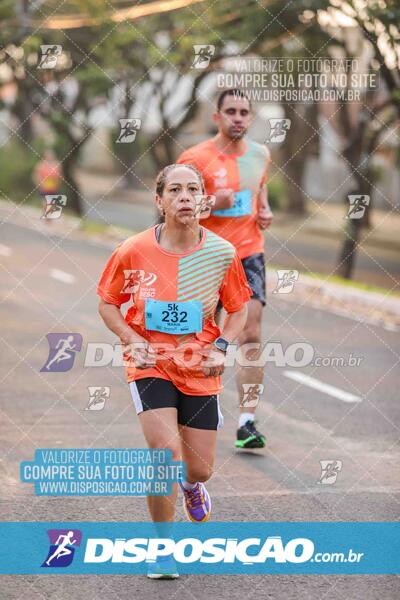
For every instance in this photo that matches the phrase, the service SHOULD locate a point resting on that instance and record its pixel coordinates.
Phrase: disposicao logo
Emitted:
(190, 550)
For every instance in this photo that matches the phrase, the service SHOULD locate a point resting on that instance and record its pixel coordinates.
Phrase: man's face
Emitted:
(234, 117)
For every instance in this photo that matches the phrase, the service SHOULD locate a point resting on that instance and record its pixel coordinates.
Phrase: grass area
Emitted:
(92, 227)
(357, 284)
(349, 283)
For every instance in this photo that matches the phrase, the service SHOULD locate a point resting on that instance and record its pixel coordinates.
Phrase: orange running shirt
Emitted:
(141, 270)
(245, 173)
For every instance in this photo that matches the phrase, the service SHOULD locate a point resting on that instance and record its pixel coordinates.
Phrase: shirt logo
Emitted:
(135, 279)
(220, 177)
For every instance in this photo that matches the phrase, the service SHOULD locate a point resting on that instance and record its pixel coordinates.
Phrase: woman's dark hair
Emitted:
(162, 177)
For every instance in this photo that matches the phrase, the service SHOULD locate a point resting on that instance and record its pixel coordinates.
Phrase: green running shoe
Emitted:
(247, 436)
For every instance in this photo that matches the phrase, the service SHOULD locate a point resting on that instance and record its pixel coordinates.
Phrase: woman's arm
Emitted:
(135, 347)
(114, 320)
(233, 325)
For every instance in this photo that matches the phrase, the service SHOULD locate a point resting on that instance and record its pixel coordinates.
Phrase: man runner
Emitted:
(234, 169)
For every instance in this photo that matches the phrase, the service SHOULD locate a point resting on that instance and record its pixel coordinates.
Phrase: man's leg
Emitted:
(250, 335)
(249, 379)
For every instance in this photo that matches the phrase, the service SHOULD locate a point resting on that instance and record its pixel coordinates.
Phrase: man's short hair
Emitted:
(232, 92)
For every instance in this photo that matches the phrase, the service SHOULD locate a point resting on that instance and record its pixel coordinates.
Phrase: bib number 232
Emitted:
(173, 317)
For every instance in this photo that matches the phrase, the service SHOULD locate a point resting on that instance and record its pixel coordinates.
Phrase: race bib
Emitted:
(241, 207)
(174, 317)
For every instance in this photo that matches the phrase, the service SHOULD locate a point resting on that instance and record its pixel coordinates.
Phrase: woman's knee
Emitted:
(199, 472)
(173, 446)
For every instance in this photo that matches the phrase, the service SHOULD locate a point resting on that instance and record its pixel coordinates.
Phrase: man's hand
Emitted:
(224, 199)
(214, 363)
(264, 217)
(139, 352)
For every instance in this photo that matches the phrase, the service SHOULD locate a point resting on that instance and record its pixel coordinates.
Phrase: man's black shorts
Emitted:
(200, 412)
(254, 267)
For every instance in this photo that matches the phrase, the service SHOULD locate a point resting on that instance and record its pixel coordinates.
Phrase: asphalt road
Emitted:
(303, 426)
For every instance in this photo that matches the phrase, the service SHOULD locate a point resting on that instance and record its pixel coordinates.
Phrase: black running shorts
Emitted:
(254, 267)
(200, 412)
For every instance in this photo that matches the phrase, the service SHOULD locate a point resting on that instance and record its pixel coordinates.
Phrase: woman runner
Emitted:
(175, 273)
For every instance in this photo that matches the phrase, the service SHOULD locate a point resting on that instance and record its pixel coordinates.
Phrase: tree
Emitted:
(378, 23)
(64, 102)
(269, 31)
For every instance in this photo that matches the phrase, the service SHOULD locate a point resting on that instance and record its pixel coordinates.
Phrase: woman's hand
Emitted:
(136, 349)
(139, 351)
(214, 363)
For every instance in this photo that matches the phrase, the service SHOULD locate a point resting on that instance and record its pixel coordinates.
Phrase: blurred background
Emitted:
(69, 73)
(73, 76)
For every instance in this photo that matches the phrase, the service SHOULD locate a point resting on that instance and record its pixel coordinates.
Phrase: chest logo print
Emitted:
(220, 177)
(136, 278)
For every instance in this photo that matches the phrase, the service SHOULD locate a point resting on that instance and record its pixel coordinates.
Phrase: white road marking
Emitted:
(322, 387)
(62, 276)
(5, 250)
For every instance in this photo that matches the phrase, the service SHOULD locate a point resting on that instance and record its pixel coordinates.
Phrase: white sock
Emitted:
(244, 417)
(188, 486)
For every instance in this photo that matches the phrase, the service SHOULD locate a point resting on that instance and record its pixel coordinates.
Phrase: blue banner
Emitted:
(210, 548)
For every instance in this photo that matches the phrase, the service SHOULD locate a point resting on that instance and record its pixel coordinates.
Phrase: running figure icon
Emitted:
(62, 549)
(62, 354)
(62, 351)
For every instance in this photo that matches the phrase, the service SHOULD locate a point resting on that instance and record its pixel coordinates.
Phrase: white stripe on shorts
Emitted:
(220, 423)
(136, 397)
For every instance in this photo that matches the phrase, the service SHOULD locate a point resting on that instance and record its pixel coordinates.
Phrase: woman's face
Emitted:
(182, 195)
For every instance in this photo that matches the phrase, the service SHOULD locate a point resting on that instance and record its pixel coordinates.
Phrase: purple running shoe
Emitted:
(197, 503)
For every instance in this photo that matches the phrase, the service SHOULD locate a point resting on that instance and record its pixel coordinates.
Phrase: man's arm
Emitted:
(264, 212)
